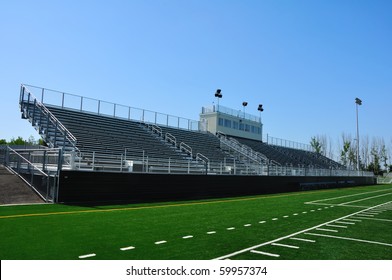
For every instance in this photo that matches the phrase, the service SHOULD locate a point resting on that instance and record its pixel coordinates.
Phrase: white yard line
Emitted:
(376, 219)
(87, 256)
(364, 215)
(291, 235)
(160, 242)
(187, 237)
(347, 238)
(211, 232)
(127, 248)
(303, 239)
(337, 226)
(366, 198)
(351, 220)
(285, 245)
(332, 198)
(326, 229)
(346, 223)
(265, 253)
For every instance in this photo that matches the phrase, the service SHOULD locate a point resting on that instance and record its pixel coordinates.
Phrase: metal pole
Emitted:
(357, 102)
(357, 137)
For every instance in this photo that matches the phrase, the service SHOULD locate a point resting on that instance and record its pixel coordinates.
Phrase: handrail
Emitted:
(171, 138)
(186, 148)
(202, 157)
(243, 149)
(156, 129)
(32, 164)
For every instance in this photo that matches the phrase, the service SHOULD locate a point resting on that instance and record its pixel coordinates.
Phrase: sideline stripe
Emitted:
(291, 235)
(352, 239)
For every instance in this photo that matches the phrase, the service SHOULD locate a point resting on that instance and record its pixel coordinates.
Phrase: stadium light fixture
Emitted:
(244, 104)
(260, 109)
(218, 95)
(358, 102)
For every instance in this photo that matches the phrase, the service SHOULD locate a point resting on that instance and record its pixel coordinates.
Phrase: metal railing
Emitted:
(100, 107)
(231, 112)
(288, 144)
(39, 168)
(241, 150)
(30, 105)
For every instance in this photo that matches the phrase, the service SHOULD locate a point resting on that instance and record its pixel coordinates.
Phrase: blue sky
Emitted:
(305, 61)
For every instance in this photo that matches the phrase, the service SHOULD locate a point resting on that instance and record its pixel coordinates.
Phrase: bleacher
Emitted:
(113, 136)
(289, 156)
(101, 140)
(202, 143)
(108, 135)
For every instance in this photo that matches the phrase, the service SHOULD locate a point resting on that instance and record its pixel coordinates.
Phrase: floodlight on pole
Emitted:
(218, 95)
(358, 102)
(244, 104)
(260, 109)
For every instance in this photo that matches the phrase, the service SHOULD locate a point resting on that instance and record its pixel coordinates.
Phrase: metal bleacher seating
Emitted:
(289, 156)
(108, 135)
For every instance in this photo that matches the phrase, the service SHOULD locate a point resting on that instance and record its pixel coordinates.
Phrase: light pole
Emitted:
(244, 104)
(357, 102)
(260, 109)
(218, 95)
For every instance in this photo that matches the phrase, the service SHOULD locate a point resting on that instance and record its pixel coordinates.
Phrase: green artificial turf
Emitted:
(67, 232)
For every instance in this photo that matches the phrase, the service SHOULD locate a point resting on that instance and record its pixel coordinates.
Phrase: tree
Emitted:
(375, 164)
(316, 145)
(384, 156)
(17, 141)
(3, 142)
(347, 152)
(365, 154)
